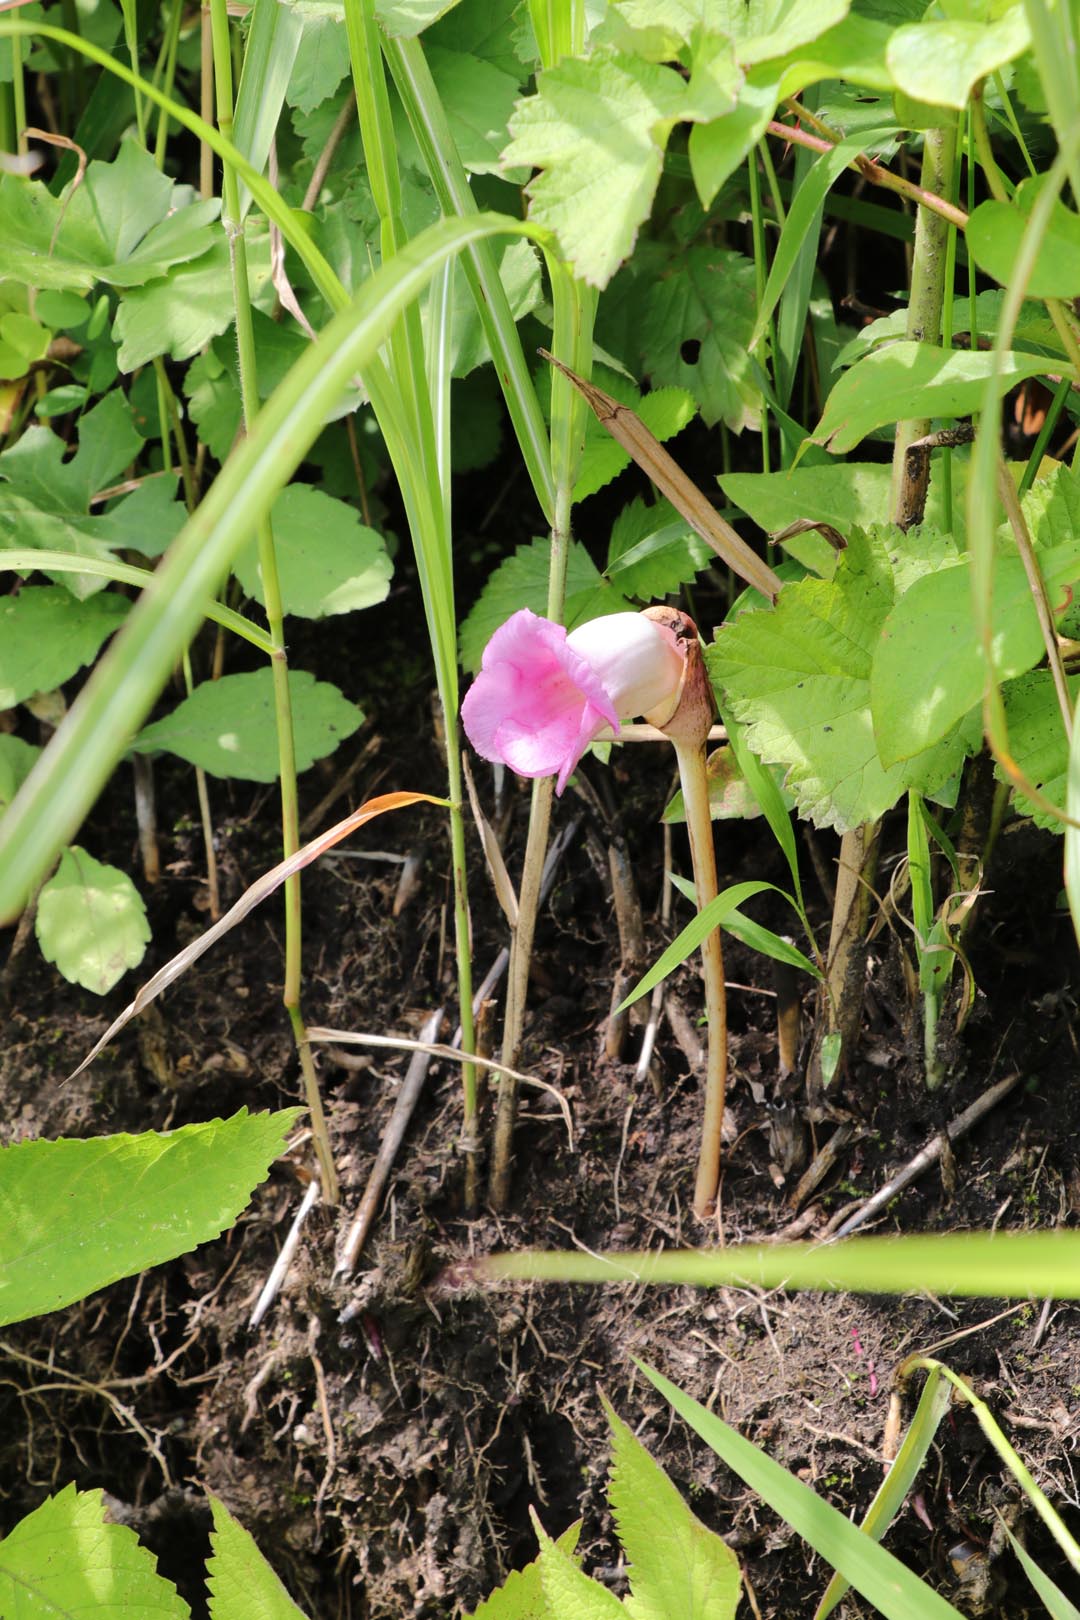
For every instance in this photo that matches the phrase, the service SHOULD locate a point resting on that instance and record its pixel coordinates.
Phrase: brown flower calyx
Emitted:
(687, 719)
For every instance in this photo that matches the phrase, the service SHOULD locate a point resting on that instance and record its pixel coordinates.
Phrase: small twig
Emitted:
(284, 1260)
(326, 156)
(821, 1164)
(930, 1154)
(393, 1136)
(875, 173)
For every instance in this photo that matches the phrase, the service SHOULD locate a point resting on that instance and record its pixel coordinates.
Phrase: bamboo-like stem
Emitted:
(279, 665)
(574, 306)
(425, 490)
(695, 790)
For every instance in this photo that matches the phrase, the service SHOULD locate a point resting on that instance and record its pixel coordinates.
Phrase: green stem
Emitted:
(249, 399)
(761, 275)
(403, 405)
(131, 40)
(18, 91)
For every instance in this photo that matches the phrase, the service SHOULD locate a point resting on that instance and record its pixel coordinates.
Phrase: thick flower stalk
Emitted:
(542, 696)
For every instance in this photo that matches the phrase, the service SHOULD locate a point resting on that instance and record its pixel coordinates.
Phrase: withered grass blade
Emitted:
(627, 429)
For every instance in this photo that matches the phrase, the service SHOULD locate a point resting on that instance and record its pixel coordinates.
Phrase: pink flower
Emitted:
(543, 696)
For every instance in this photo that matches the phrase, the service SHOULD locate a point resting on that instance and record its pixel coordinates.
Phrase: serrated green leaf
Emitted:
(914, 380)
(179, 312)
(521, 581)
(328, 561)
(478, 99)
(798, 678)
(763, 29)
(941, 61)
(91, 922)
(78, 1215)
(404, 19)
(718, 147)
(521, 1596)
(242, 1584)
(995, 232)
(697, 319)
(677, 1566)
(597, 130)
(64, 1559)
(47, 635)
(1037, 741)
(570, 1593)
(228, 726)
(16, 762)
(652, 551)
(116, 227)
(929, 668)
(322, 57)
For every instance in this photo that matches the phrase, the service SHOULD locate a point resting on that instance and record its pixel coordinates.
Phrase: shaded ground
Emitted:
(386, 1463)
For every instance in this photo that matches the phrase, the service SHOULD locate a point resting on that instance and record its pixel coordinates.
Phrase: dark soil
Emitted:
(384, 1437)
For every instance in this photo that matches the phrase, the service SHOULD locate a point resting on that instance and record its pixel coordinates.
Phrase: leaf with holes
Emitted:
(697, 317)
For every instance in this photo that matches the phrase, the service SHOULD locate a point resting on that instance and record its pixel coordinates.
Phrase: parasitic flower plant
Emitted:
(543, 695)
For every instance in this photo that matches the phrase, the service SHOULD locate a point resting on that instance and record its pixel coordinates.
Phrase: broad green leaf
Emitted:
(78, 1215)
(123, 226)
(677, 1566)
(929, 669)
(981, 1265)
(478, 100)
(241, 1583)
(228, 726)
(995, 232)
(213, 402)
(45, 500)
(16, 758)
(570, 1593)
(940, 61)
(763, 29)
(484, 28)
(1058, 1606)
(91, 922)
(913, 380)
(328, 561)
(1034, 328)
(521, 581)
(47, 635)
(717, 148)
(774, 803)
(597, 129)
(797, 677)
(887, 1583)
(1038, 742)
(891, 1494)
(65, 1559)
(652, 551)
(699, 928)
(697, 321)
(521, 1596)
(851, 495)
(1072, 833)
(322, 56)
(403, 19)
(730, 795)
(180, 312)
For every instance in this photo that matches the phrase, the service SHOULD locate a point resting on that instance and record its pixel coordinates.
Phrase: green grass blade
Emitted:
(273, 39)
(755, 934)
(1058, 1606)
(687, 942)
(998, 1265)
(892, 1492)
(420, 98)
(888, 1584)
(70, 774)
(67, 562)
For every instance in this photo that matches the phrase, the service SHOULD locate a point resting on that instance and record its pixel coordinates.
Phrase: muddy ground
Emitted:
(386, 1463)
